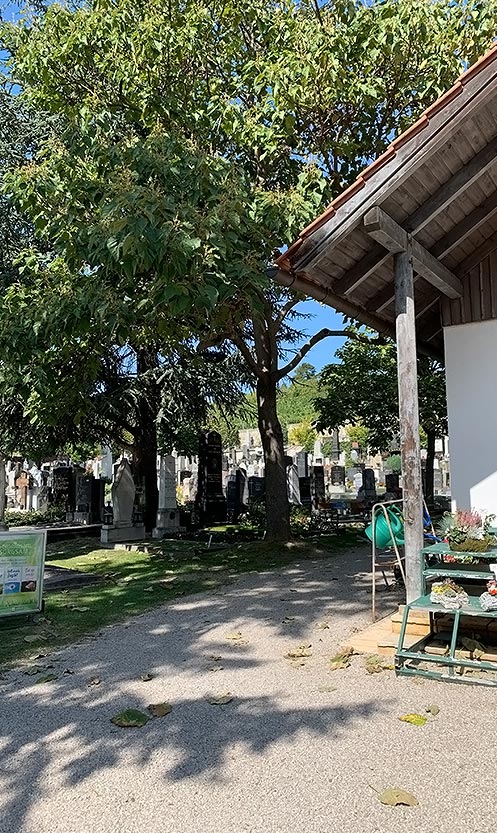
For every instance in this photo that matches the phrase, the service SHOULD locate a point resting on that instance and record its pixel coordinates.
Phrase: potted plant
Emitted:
(466, 531)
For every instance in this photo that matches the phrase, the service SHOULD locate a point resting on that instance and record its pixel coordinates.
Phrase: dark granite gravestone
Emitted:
(335, 445)
(392, 482)
(338, 476)
(317, 485)
(256, 488)
(210, 503)
(369, 484)
(302, 461)
(63, 489)
(305, 491)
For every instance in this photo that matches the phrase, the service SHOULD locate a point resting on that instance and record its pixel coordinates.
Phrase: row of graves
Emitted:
(78, 493)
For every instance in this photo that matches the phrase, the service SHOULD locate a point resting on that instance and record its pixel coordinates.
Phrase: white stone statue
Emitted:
(123, 494)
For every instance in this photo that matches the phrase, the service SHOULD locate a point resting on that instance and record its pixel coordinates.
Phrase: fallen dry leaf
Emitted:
(35, 669)
(376, 664)
(300, 651)
(434, 710)
(234, 636)
(47, 678)
(414, 719)
(146, 677)
(130, 718)
(393, 796)
(159, 709)
(341, 660)
(219, 699)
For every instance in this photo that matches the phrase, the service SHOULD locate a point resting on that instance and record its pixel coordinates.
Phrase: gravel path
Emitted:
(299, 749)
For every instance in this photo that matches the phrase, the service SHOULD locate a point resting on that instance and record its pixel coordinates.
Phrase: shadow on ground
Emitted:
(64, 727)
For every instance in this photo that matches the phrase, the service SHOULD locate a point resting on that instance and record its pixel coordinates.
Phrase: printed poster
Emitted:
(22, 561)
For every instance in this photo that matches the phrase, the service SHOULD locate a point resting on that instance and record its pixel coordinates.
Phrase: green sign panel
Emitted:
(22, 560)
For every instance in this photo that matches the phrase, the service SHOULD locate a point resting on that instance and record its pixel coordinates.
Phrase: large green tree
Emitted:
(195, 138)
(362, 387)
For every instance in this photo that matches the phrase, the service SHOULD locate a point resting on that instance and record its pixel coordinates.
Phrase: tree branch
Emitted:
(237, 339)
(322, 334)
(285, 309)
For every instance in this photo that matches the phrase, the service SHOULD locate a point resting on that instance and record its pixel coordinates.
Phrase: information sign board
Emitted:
(22, 561)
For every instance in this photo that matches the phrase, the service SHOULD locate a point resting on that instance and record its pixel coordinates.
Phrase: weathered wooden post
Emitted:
(409, 419)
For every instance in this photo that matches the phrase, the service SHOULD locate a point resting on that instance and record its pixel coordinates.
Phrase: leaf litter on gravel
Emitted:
(47, 678)
(219, 699)
(130, 718)
(395, 796)
(299, 652)
(342, 659)
(376, 664)
(414, 719)
(160, 709)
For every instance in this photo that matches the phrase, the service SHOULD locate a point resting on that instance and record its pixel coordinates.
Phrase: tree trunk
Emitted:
(277, 506)
(430, 460)
(3, 487)
(145, 436)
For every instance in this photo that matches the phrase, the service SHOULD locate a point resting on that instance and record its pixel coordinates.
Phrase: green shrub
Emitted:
(34, 518)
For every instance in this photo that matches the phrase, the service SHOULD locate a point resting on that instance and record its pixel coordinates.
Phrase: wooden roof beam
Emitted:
(362, 270)
(443, 247)
(467, 226)
(454, 186)
(394, 238)
(446, 194)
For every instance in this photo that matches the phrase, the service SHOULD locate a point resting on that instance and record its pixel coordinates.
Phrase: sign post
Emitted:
(22, 561)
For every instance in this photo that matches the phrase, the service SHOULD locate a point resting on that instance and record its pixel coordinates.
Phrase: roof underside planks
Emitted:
(436, 182)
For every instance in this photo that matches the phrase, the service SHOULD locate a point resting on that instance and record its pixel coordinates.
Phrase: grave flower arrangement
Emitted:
(466, 531)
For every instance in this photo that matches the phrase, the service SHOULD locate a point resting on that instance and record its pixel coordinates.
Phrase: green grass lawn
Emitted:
(137, 581)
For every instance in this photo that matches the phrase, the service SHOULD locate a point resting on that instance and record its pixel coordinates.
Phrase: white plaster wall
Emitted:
(471, 366)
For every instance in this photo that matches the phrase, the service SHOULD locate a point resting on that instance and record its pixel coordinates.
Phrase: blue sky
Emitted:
(324, 352)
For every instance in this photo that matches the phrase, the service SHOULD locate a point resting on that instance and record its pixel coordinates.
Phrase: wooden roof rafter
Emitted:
(434, 189)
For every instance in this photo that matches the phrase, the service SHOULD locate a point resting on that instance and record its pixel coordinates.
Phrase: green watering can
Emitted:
(383, 537)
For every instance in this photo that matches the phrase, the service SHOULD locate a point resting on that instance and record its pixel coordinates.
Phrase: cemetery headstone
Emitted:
(369, 485)
(305, 491)
(337, 478)
(318, 487)
(63, 489)
(22, 488)
(256, 488)
(317, 456)
(123, 500)
(293, 485)
(167, 512)
(302, 461)
(210, 503)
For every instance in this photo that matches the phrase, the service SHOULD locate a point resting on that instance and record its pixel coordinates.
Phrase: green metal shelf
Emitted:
(444, 549)
(433, 572)
(473, 608)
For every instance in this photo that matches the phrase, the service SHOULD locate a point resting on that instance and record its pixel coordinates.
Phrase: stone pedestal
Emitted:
(118, 533)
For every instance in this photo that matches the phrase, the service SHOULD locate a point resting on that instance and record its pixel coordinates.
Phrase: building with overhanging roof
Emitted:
(410, 249)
